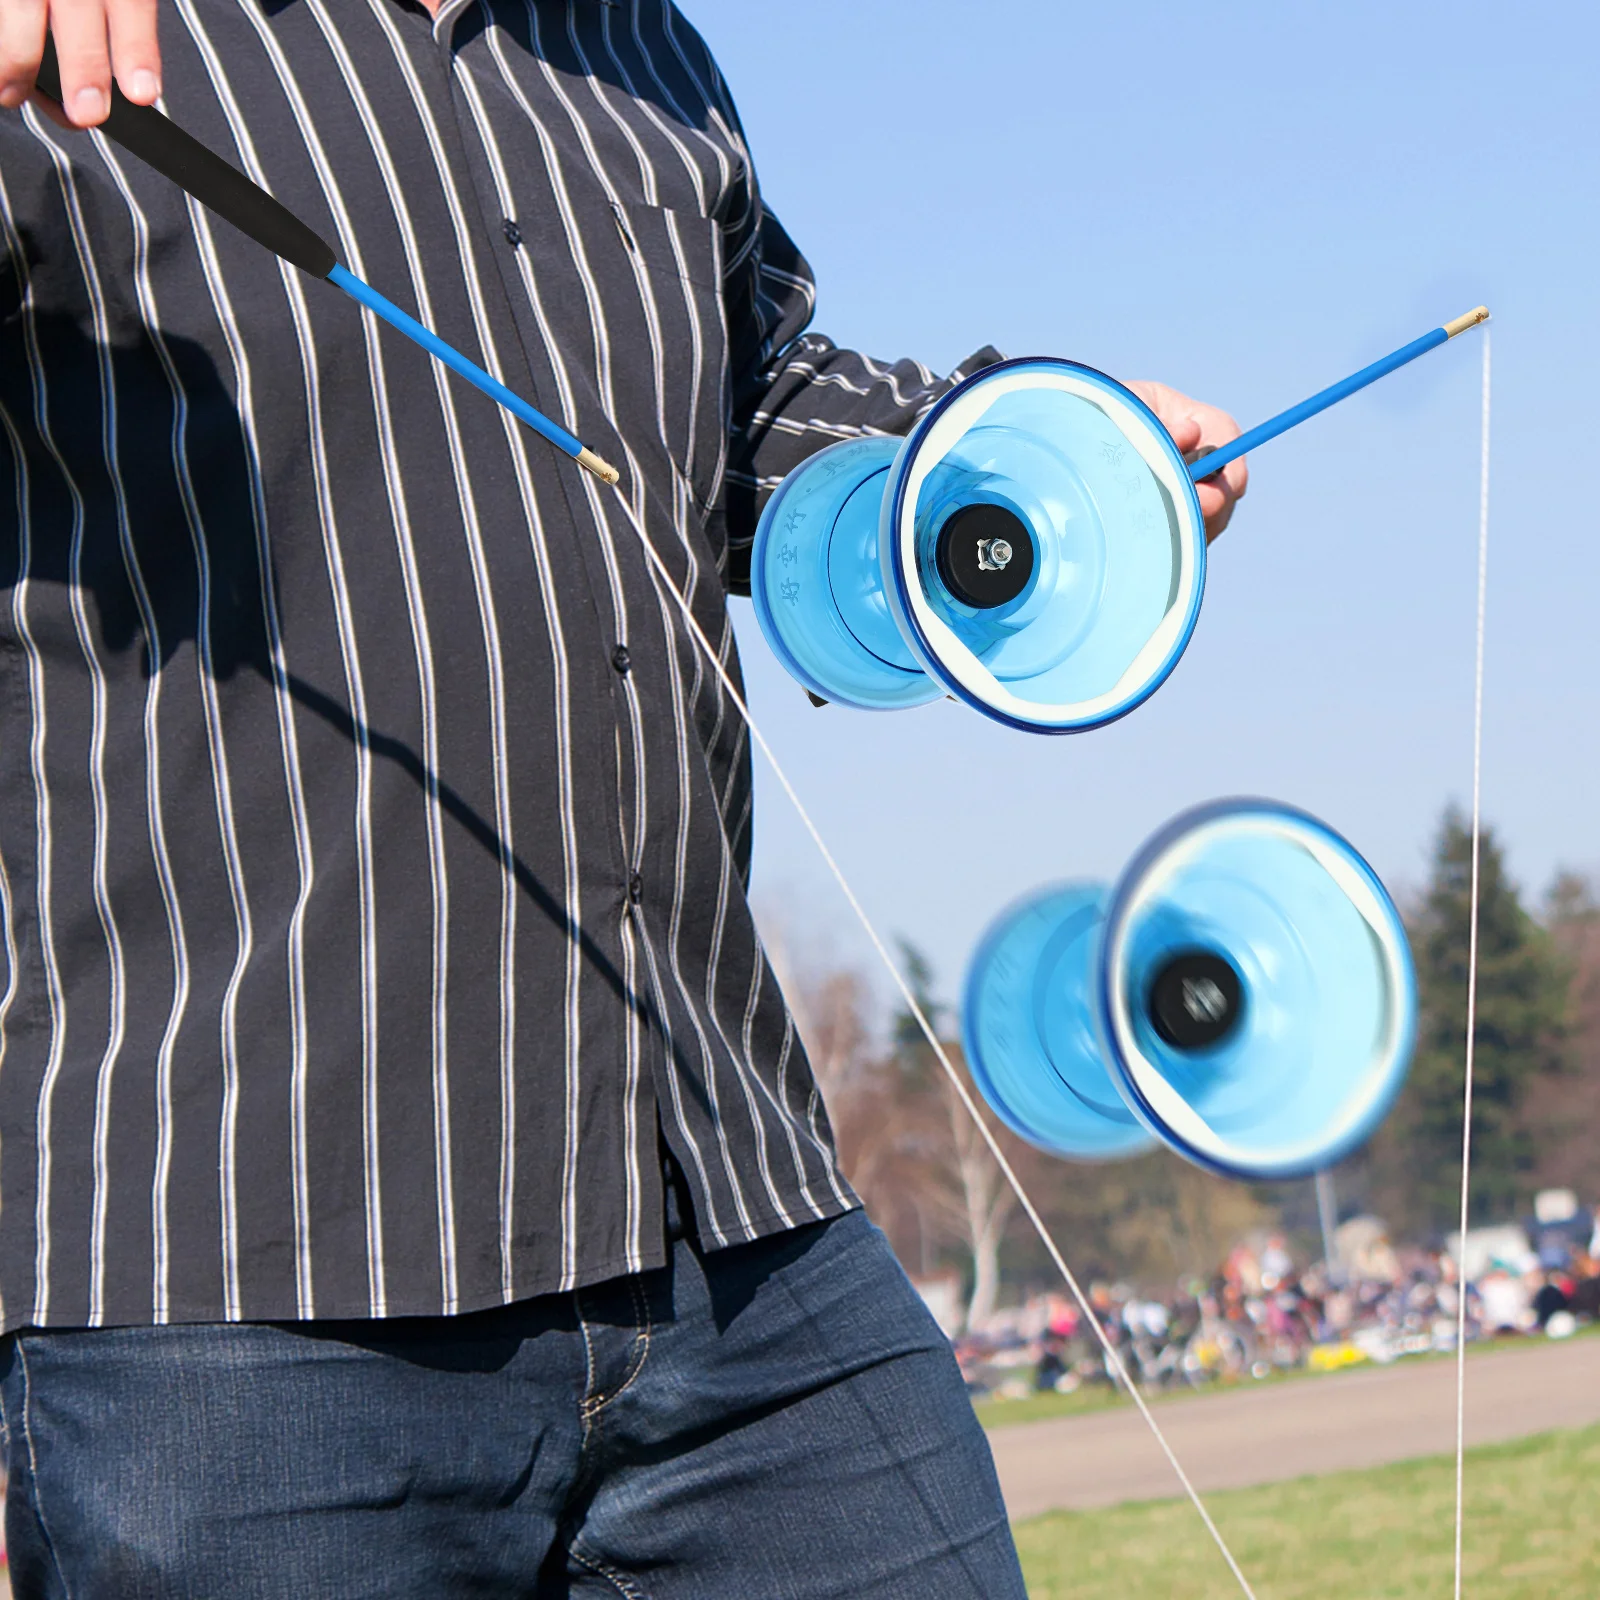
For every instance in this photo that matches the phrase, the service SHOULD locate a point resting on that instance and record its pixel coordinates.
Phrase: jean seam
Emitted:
(616, 1579)
(33, 1471)
(645, 1327)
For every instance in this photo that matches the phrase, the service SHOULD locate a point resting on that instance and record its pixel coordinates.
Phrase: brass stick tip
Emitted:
(1470, 320)
(602, 469)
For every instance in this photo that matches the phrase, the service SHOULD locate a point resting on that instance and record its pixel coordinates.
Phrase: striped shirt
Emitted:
(374, 838)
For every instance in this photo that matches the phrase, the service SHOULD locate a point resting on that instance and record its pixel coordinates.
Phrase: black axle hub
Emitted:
(984, 555)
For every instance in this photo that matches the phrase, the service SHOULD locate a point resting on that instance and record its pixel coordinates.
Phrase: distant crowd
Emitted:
(1262, 1313)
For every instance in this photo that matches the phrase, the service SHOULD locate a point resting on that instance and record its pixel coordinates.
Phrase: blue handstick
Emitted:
(474, 374)
(222, 188)
(1214, 461)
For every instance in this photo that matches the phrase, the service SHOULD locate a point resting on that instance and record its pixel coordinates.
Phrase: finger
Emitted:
(1232, 479)
(1218, 426)
(1214, 501)
(22, 25)
(1185, 431)
(79, 27)
(135, 52)
(1216, 506)
(52, 110)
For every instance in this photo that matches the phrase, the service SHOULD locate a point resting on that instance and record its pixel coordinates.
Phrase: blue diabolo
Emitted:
(1035, 548)
(1244, 993)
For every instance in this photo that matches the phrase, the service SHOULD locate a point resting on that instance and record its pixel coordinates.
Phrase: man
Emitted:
(412, 1180)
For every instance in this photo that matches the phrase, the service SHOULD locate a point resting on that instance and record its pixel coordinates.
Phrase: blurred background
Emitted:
(1246, 202)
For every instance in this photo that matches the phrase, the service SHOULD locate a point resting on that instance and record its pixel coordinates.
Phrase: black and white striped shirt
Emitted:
(373, 838)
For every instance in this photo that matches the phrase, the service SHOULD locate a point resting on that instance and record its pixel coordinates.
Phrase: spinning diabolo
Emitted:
(1244, 994)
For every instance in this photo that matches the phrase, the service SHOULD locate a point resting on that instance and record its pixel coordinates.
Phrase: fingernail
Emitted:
(87, 104)
(143, 87)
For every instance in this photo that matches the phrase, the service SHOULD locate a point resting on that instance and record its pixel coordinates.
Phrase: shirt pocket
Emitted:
(677, 267)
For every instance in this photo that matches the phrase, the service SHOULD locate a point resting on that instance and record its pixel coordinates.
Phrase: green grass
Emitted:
(1531, 1534)
(994, 1412)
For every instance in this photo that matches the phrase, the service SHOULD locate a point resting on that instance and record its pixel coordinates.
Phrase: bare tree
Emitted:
(874, 1126)
(971, 1190)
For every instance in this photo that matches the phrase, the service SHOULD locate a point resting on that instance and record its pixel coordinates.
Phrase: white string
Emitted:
(1472, 972)
(1119, 1371)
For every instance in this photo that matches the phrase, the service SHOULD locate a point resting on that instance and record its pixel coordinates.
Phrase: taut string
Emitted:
(1472, 971)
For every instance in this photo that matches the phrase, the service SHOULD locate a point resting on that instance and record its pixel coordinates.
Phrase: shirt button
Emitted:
(512, 232)
(621, 660)
(636, 888)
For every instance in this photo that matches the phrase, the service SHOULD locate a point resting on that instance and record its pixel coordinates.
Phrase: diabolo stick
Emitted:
(220, 187)
(1215, 460)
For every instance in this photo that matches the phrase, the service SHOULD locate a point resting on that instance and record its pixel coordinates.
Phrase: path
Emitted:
(1345, 1420)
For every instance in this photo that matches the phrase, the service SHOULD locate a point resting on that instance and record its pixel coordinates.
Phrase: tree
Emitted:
(904, 1153)
(1569, 902)
(911, 1043)
(1520, 1016)
(1153, 1220)
(1564, 1111)
(867, 1113)
(966, 1194)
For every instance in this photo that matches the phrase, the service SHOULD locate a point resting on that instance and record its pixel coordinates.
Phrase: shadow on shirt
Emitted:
(114, 526)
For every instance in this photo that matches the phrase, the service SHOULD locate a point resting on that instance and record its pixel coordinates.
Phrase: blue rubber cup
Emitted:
(1255, 997)
(1028, 1027)
(817, 585)
(1035, 548)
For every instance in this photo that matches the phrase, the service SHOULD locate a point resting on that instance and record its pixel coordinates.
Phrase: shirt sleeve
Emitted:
(793, 391)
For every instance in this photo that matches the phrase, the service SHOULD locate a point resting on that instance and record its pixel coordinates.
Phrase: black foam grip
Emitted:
(154, 139)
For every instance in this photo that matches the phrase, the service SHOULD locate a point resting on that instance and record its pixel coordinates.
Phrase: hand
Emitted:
(94, 38)
(1194, 428)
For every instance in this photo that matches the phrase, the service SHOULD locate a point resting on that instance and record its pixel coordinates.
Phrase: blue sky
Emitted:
(1247, 201)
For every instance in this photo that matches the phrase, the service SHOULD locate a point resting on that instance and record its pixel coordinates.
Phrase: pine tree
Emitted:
(911, 1044)
(1520, 1013)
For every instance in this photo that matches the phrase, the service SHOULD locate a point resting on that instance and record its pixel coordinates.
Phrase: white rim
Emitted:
(940, 641)
(1159, 1096)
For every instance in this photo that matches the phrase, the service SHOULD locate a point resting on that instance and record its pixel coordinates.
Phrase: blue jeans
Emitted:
(776, 1421)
